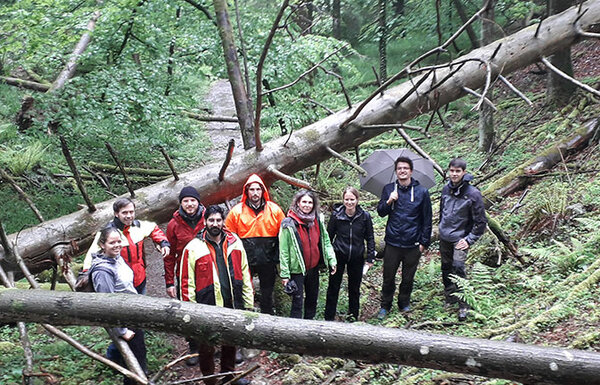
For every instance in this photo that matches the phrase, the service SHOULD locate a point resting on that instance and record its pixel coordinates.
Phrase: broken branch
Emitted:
(350, 163)
(288, 179)
(569, 78)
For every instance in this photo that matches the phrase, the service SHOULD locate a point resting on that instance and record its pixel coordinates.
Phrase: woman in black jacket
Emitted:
(349, 227)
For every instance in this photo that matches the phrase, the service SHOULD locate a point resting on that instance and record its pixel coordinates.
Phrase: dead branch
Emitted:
(393, 126)
(210, 118)
(200, 378)
(586, 34)
(69, 69)
(481, 97)
(169, 365)
(259, 69)
(76, 175)
(486, 88)
(230, 148)
(169, 162)
(306, 72)
(25, 84)
(350, 163)
(22, 194)
(515, 90)
(420, 151)
(113, 154)
(341, 81)
(288, 179)
(243, 374)
(329, 110)
(569, 78)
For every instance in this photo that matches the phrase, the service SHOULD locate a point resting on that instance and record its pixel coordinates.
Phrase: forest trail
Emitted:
(221, 103)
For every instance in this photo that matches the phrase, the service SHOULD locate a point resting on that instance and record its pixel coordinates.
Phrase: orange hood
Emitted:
(254, 178)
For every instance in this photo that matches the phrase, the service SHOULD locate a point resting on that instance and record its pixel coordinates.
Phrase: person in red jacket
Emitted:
(187, 221)
(256, 220)
(133, 233)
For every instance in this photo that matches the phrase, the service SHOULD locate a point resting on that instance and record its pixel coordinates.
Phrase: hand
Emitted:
(333, 269)
(462, 245)
(393, 197)
(128, 335)
(422, 248)
(172, 292)
(370, 264)
(284, 281)
(165, 251)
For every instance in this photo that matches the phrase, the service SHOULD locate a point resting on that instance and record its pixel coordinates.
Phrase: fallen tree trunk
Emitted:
(307, 146)
(550, 157)
(512, 361)
(129, 170)
(25, 84)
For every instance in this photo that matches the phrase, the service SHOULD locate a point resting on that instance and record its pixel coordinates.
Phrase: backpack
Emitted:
(84, 279)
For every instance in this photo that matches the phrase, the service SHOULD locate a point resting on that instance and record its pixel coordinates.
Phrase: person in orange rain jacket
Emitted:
(214, 271)
(133, 233)
(256, 220)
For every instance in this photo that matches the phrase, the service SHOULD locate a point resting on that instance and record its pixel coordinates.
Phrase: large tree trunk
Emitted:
(336, 16)
(486, 113)
(243, 106)
(307, 146)
(460, 9)
(560, 89)
(383, 38)
(513, 361)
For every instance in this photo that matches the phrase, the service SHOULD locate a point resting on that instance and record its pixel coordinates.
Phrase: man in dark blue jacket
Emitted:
(407, 234)
(462, 222)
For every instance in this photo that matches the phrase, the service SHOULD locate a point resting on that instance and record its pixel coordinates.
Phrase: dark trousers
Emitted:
(267, 275)
(392, 258)
(453, 262)
(138, 348)
(141, 288)
(355, 267)
(308, 284)
(206, 356)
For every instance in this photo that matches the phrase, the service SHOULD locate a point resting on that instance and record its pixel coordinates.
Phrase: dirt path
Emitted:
(220, 99)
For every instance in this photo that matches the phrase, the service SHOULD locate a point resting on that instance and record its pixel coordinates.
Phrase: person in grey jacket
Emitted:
(111, 274)
(462, 223)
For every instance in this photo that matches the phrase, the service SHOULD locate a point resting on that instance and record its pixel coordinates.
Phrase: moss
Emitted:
(311, 135)
(304, 374)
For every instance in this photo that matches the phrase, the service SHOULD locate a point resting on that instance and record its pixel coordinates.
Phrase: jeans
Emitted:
(392, 258)
(453, 262)
(308, 283)
(355, 268)
(267, 275)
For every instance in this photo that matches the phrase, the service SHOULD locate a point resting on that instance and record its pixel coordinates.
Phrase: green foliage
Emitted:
(22, 159)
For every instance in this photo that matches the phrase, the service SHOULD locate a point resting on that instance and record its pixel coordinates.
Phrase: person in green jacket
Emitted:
(303, 243)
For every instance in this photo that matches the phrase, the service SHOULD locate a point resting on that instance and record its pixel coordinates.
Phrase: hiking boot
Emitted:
(462, 314)
(405, 309)
(242, 381)
(382, 314)
(192, 361)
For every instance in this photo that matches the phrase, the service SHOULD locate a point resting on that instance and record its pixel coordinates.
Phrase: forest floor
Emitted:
(275, 368)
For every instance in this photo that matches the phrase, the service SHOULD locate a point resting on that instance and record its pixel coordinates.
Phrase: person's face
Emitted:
(214, 224)
(112, 246)
(126, 215)
(456, 174)
(403, 171)
(306, 204)
(189, 205)
(255, 193)
(350, 201)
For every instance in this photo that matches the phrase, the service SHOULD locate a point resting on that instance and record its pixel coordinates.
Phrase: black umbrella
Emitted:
(380, 169)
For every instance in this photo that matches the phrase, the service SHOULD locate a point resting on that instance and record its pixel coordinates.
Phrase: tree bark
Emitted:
(486, 112)
(336, 16)
(24, 84)
(560, 89)
(243, 106)
(383, 37)
(498, 359)
(306, 147)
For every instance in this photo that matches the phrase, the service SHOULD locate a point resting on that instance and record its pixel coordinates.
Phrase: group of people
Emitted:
(210, 257)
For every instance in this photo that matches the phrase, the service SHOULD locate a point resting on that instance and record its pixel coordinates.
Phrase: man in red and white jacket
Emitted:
(133, 233)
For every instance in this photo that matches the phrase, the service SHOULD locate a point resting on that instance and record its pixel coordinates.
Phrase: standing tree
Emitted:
(486, 113)
(560, 89)
(383, 36)
(243, 105)
(336, 15)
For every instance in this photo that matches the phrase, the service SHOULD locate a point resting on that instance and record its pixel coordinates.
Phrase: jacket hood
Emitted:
(254, 178)
(467, 178)
(413, 183)
(339, 211)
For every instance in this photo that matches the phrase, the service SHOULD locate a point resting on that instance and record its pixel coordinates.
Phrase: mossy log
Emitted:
(216, 325)
(306, 147)
(523, 175)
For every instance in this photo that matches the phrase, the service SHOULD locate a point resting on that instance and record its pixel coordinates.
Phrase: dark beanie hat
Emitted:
(189, 191)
